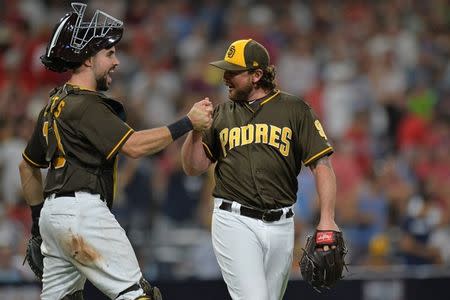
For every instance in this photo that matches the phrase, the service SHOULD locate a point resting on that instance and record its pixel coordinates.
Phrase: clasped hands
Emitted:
(201, 114)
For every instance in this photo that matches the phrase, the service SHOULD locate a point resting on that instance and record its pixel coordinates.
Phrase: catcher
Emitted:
(78, 136)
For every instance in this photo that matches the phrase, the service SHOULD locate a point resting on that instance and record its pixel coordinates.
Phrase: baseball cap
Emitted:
(243, 55)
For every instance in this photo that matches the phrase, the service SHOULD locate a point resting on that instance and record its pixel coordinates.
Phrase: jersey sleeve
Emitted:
(313, 140)
(36, 148)
(210, 142)
(104, 129)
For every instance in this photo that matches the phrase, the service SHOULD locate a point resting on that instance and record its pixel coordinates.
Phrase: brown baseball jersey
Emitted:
(89, 130)
(259, 151)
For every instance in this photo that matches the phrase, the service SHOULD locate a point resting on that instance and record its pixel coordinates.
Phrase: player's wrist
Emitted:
(327, 224)
(180, 127)
(197, 133)
(36, 210)
(35, 215)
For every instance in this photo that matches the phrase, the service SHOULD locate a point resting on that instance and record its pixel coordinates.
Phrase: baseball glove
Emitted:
(34, 256)
(323, 261)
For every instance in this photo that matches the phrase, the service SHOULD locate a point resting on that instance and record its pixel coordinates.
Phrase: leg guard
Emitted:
(78, 295)
(156, 295)
(152, 291)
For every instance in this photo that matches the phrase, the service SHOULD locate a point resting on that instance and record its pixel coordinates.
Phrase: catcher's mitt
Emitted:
(34, 256)
(322, 261)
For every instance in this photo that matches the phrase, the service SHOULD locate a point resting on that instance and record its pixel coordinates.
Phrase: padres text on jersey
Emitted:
(280, 138)
(276, 138)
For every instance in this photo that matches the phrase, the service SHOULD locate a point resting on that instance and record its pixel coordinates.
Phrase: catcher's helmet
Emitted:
(73, 40)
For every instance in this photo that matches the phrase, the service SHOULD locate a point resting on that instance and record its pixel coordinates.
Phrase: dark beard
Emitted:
(241, 94)
(102, 85)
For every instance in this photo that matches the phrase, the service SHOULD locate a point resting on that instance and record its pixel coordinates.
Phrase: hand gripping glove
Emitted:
(322, 261)
(34, 256)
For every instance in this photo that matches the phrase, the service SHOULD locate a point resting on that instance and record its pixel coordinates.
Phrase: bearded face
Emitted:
(102, 83)
(240, 93)
(239, 85)
(105, 64)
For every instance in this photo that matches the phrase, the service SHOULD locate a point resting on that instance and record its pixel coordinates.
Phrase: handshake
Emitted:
(201, 114)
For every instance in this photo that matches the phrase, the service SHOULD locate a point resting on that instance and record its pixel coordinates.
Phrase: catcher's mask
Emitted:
(74, 40)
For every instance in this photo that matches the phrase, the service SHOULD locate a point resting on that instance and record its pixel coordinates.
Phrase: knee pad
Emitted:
(78, 295)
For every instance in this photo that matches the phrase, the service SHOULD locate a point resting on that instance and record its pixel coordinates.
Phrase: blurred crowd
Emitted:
(377, 73)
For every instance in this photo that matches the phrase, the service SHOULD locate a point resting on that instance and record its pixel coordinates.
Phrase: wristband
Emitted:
(35, 214)
(180, 127)
(36, 210)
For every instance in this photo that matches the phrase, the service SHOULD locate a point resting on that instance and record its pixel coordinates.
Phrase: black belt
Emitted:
(71, 194)
(64, 194)
(265, 215)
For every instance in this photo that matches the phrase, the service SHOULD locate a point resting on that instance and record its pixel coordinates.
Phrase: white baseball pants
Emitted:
(82, 239)
(255, 257)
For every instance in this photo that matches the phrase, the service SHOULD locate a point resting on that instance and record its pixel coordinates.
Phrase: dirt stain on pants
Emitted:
(80, 250)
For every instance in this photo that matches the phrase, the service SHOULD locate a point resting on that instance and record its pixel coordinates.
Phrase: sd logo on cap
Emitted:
(244, 55)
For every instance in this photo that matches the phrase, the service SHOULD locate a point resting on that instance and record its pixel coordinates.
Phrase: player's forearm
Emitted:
(31, 180)
(326, 190)
(146, 142)
(193, 156)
